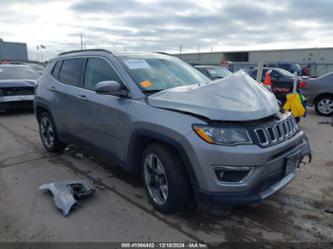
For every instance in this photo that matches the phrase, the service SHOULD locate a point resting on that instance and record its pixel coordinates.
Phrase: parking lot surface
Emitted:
(303, 211)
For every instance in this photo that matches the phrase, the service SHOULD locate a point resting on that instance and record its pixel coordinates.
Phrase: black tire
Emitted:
(298, 119)
(54, 145)
(179, 191)
(320, 100)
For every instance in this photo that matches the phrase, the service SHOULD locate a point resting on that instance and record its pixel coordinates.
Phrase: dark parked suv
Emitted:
(223, 142)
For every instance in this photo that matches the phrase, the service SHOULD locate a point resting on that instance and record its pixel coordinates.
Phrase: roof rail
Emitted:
(165, 53)
(85, 50)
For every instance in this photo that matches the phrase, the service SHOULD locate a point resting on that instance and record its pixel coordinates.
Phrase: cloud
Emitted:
(162, 25)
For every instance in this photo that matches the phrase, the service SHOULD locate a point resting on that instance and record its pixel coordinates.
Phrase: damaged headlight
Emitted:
(222, 135)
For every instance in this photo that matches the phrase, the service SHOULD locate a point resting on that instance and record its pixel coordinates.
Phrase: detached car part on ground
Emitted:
(66, 194)
(214, 143)
(17, 86)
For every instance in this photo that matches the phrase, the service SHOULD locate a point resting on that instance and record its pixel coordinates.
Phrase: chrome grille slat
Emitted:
(276, 133)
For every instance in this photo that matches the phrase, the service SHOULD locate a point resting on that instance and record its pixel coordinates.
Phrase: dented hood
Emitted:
(235, 98)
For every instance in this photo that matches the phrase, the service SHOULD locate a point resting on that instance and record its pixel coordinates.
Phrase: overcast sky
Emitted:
(164, 25)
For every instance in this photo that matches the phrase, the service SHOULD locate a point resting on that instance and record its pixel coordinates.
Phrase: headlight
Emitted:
(222, 135)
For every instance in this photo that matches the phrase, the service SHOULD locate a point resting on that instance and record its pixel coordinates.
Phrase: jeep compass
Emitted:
(222, 142)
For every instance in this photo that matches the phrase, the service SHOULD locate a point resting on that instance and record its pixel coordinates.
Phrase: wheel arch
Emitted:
(321, 95)
(141, 138)
(40, 108)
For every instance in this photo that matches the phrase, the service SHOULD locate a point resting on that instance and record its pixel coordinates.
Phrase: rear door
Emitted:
(69, 92)
(104, 116)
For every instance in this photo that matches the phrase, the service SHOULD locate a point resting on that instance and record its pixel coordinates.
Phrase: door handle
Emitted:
(82, 98)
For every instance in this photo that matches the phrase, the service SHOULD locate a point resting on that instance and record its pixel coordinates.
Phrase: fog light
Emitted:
(230, 174)
(219, 174)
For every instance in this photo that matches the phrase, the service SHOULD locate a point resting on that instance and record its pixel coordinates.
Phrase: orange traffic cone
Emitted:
(267, 80)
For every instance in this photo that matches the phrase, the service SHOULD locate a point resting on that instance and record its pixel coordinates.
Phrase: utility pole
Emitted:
(81, 38)
(38, 53)
(41, 46)
(259, 71)
(180, 48)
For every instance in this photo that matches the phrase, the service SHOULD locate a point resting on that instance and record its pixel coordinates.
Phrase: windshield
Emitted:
(218, 72)
(157, 72)
(17, 73)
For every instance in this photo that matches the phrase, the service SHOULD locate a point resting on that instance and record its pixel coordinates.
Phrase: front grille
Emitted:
(277, 132)
(17, 91)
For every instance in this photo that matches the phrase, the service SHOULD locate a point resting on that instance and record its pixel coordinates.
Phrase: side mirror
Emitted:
(110, 88)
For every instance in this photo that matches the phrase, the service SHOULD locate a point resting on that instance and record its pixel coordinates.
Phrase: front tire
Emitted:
(48, 134)
(298, 119)
(324, 105)
(165, 179)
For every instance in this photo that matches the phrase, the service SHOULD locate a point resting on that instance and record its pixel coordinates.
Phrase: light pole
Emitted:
(41, 51)
(81, 39)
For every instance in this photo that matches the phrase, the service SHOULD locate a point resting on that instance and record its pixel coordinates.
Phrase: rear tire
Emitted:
(48, 134)
(324, 105)
(166, 183)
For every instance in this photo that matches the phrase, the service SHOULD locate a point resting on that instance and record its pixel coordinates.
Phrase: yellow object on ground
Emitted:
(294, 104)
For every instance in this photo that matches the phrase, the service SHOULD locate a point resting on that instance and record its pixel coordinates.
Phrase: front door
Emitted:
(105, 116)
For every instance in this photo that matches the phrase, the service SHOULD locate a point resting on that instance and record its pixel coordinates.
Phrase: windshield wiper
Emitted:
(152, 91)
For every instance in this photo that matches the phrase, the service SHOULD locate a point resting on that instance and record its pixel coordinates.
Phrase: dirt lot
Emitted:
(119, 211)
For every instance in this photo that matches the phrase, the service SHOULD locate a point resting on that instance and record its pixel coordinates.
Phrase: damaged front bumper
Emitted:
(273, 169)
(67, 193)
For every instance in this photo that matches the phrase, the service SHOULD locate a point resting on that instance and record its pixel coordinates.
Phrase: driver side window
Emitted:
(98, 70)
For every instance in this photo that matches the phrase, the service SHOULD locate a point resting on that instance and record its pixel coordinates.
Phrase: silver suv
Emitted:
(192, 140)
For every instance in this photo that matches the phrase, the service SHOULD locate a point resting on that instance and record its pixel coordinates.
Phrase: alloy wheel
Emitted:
(156, 179)
(47, 132)
(325, 106)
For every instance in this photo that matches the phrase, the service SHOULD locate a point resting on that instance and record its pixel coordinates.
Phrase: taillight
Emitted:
(301, 84)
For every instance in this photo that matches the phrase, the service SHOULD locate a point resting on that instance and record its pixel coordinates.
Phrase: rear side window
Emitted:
(98, 70)
(56, 69)
(71, 71)
(202, 70)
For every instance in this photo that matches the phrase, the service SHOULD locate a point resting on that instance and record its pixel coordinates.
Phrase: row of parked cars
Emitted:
(317, 91)
(211, 138)
(17, 86)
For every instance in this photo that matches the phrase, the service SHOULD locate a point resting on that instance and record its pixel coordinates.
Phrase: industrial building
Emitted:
(319, 59)
(13, 51)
